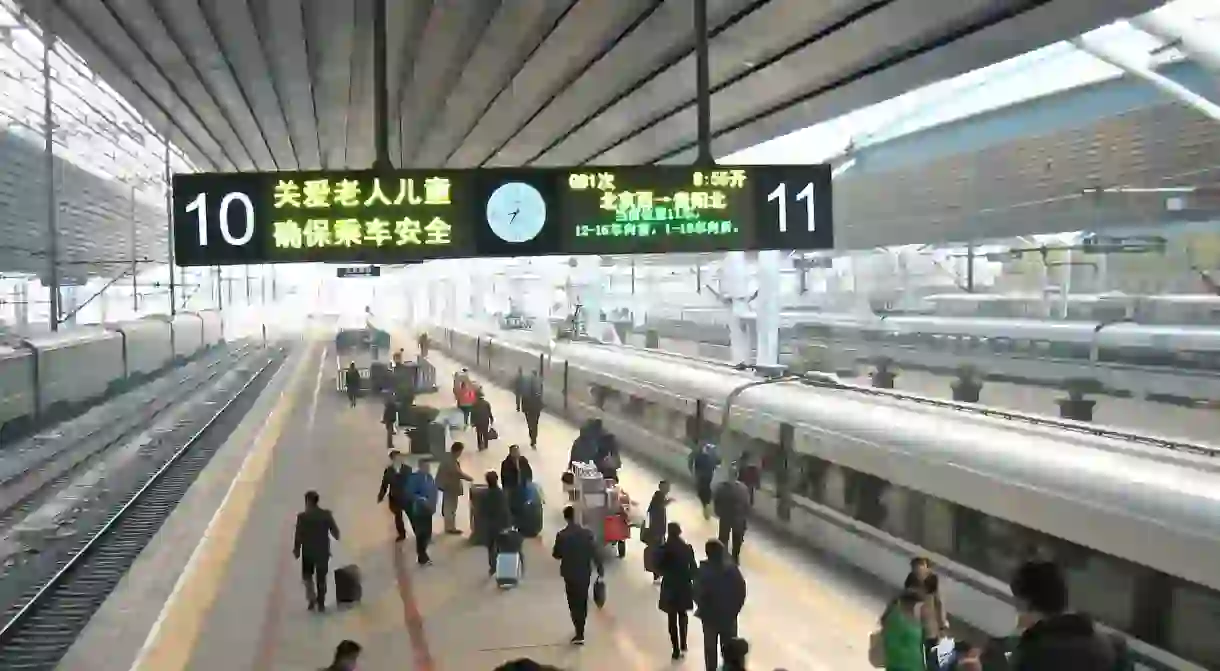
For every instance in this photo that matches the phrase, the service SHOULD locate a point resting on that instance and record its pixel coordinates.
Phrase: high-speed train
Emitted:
(45, 377)
(877, 478)
(1191, 347)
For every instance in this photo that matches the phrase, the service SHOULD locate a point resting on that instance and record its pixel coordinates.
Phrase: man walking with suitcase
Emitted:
(311, 544)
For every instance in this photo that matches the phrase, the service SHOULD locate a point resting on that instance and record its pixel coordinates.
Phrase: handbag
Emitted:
(492, 434)
(876, 650)
(599, 593)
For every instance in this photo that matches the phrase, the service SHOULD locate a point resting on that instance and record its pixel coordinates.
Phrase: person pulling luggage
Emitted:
(450, 479)
(394, 486)
(495, 516)
(311, 544)
(578, 556)
(351, 381)
(422, 494)
(733, 509)
(720, 594)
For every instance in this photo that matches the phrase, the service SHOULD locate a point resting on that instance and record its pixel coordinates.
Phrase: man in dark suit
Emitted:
(311, 544)
(578, 555)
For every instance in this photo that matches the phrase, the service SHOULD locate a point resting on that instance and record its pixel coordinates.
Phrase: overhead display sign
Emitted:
(412, 215)
(360, 271)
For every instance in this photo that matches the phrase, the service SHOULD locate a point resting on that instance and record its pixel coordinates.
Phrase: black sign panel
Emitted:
(359, 271)
(412, 215)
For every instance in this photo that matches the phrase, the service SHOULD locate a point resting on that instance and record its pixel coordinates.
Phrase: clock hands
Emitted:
(513, 216)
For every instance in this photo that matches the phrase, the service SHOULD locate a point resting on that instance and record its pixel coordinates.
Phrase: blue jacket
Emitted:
(422, 490)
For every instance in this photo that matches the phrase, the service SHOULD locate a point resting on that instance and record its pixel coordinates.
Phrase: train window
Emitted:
(1105, 587)
(635, 407)
(1194, 619)
(810, 477)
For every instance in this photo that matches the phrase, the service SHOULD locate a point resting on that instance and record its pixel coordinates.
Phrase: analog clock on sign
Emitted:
(516, 212)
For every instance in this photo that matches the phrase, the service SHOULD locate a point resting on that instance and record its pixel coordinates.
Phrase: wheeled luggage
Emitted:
(508, 569)
(348, 589)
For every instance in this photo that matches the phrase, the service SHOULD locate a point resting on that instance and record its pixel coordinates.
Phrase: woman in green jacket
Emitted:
(902, 633)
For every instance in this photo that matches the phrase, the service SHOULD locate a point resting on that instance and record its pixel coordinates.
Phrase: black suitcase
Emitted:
(530, 524)
(478, 530)
(348, 589)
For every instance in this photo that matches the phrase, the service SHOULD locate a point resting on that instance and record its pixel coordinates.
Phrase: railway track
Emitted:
(44, 622)
(24, 482)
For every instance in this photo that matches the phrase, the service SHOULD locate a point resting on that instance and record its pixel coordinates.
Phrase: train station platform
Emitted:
(239, 603)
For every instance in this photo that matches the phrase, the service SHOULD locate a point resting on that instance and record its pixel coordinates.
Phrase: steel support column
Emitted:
(48, 137)
(381, 90)
(1166, 85)
(703, 85)
(169, 231)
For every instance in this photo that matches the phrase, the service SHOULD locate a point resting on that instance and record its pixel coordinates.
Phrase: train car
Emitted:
(877, 479)
(147, 347)
(75, 368)
(18, 402)
(188, 335)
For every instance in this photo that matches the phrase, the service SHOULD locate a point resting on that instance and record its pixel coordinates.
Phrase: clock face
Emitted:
(516, 212)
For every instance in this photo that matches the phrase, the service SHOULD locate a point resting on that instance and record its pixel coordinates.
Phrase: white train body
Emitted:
(46, 376)
(877, 479)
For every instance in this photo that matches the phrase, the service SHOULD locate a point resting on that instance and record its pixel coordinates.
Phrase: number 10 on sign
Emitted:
(200, 207)
(806, 194)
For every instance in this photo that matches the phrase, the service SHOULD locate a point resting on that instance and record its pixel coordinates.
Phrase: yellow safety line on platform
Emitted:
(171, 643)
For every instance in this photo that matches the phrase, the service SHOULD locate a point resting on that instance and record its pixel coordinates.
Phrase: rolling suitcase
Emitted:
(508, 569)
(348, 589)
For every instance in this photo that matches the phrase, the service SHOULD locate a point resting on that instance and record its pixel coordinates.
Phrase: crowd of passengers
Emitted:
(913, 634)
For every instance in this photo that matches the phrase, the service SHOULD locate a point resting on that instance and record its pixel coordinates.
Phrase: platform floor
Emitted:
(240, 605)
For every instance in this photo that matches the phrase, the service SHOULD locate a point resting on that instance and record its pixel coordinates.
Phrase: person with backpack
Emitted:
(932, 613)
(394, 485)
(421, 499)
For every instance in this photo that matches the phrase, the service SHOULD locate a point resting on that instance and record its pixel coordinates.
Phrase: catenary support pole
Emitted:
(48, 137)
(381, 89)
(169, 232)
(135, 287)
(703, 85)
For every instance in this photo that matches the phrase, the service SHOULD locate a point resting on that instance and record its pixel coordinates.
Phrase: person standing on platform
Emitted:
(703, 462)
(515, 476)
(389, 417)
(519, 389)
(608, 459)
(347, 654)
(720, 594)
(466, 397)
(578, 556)
(676, 566)
(394, 485)
(423, 345)
(351, 381)
(449, 479)
(654, 533)
(733, 509)
(495, 516)
(482, 419)
(423, 493)
(311, 544)
(531, 407)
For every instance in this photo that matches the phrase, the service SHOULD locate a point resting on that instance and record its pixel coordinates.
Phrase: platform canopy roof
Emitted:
(288, 84)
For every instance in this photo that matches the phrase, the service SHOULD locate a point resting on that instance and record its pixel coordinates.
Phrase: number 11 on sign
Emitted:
(806, 194)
